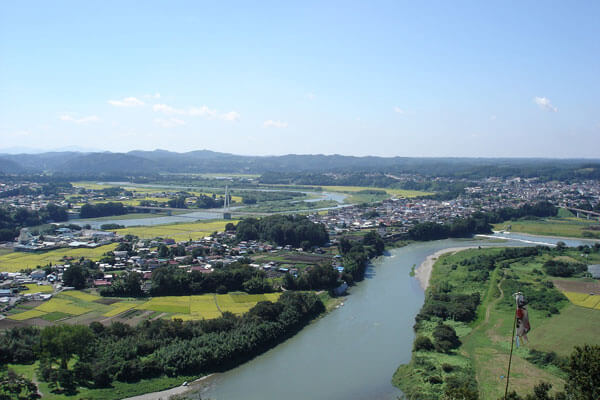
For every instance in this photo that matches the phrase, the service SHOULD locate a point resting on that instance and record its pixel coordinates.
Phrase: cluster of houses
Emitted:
(63, 237)
(490, 194)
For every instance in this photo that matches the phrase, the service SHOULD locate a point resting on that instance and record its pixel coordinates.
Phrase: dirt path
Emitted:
(488, 312)
(217, 303)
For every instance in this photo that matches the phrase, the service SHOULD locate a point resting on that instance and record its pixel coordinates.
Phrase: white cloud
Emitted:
(202, 111)
(399, 110)
(275, 124)
(545, 104)
(126, 102)
(231, 116)
(82, 120)
(167, 109)
(169, 122)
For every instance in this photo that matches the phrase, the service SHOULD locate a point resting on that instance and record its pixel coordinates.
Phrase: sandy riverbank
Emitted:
(423, 273)
(166, 394)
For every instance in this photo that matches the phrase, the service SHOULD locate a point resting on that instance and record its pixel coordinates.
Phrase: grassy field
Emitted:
(565, 226)
(34, 288)
(183, 231)
(486, 341)
(16, 261)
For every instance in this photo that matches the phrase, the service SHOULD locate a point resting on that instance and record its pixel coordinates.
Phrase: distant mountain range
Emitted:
(139, 162)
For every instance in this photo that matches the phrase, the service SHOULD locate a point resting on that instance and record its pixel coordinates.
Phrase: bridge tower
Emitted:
(226, 213)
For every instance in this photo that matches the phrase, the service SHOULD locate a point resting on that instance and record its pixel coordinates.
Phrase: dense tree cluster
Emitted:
(445, 338)
(102, 210)
(125, 285)
(447, 305)
(564, 269)
(13, 220)
(171, 281)
(94, 356)
(314, 278)
(356, 254)
(294, 230)
(479, 222)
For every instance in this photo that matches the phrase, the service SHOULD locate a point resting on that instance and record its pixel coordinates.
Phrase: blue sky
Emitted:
(391, 78)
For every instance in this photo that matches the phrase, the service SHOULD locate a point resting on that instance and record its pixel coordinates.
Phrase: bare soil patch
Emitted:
(107, 301)
(305, 258)
(578, 287)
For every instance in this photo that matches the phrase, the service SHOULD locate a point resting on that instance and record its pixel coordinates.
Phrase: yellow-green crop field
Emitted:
(16, 261)
(34, 288)
(118, 308)
(195, 230)
(78, 294)
(27, 315)
(393, 192)
(70, 305)
(584, 300)
(206, 306)
(62, 305)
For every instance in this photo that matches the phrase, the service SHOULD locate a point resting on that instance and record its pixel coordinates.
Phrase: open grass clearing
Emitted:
(35, 288)
(553, 227)
(574, 326)
(55, 316)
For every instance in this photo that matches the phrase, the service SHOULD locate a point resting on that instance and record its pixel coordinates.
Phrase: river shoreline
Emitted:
(582, 239)
(167, 393)
(423, 272)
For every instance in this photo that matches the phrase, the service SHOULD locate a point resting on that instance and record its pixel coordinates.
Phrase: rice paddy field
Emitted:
(584, 299)
(184, 231)
(16, 261)
(393, 192)
(70, 304)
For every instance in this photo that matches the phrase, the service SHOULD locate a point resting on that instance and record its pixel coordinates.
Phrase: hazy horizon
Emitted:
(461, 79)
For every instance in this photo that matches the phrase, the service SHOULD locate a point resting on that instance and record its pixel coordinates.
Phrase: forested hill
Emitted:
(288, 166)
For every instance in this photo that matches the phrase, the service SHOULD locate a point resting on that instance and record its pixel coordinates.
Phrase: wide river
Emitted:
(352, 352)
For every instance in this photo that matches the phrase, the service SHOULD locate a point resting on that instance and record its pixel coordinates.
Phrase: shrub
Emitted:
(423, 343)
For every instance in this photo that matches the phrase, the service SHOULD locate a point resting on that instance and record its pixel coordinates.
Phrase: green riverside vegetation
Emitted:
(463, 331)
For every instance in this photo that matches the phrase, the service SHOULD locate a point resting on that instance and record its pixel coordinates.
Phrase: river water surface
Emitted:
(352, 352)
